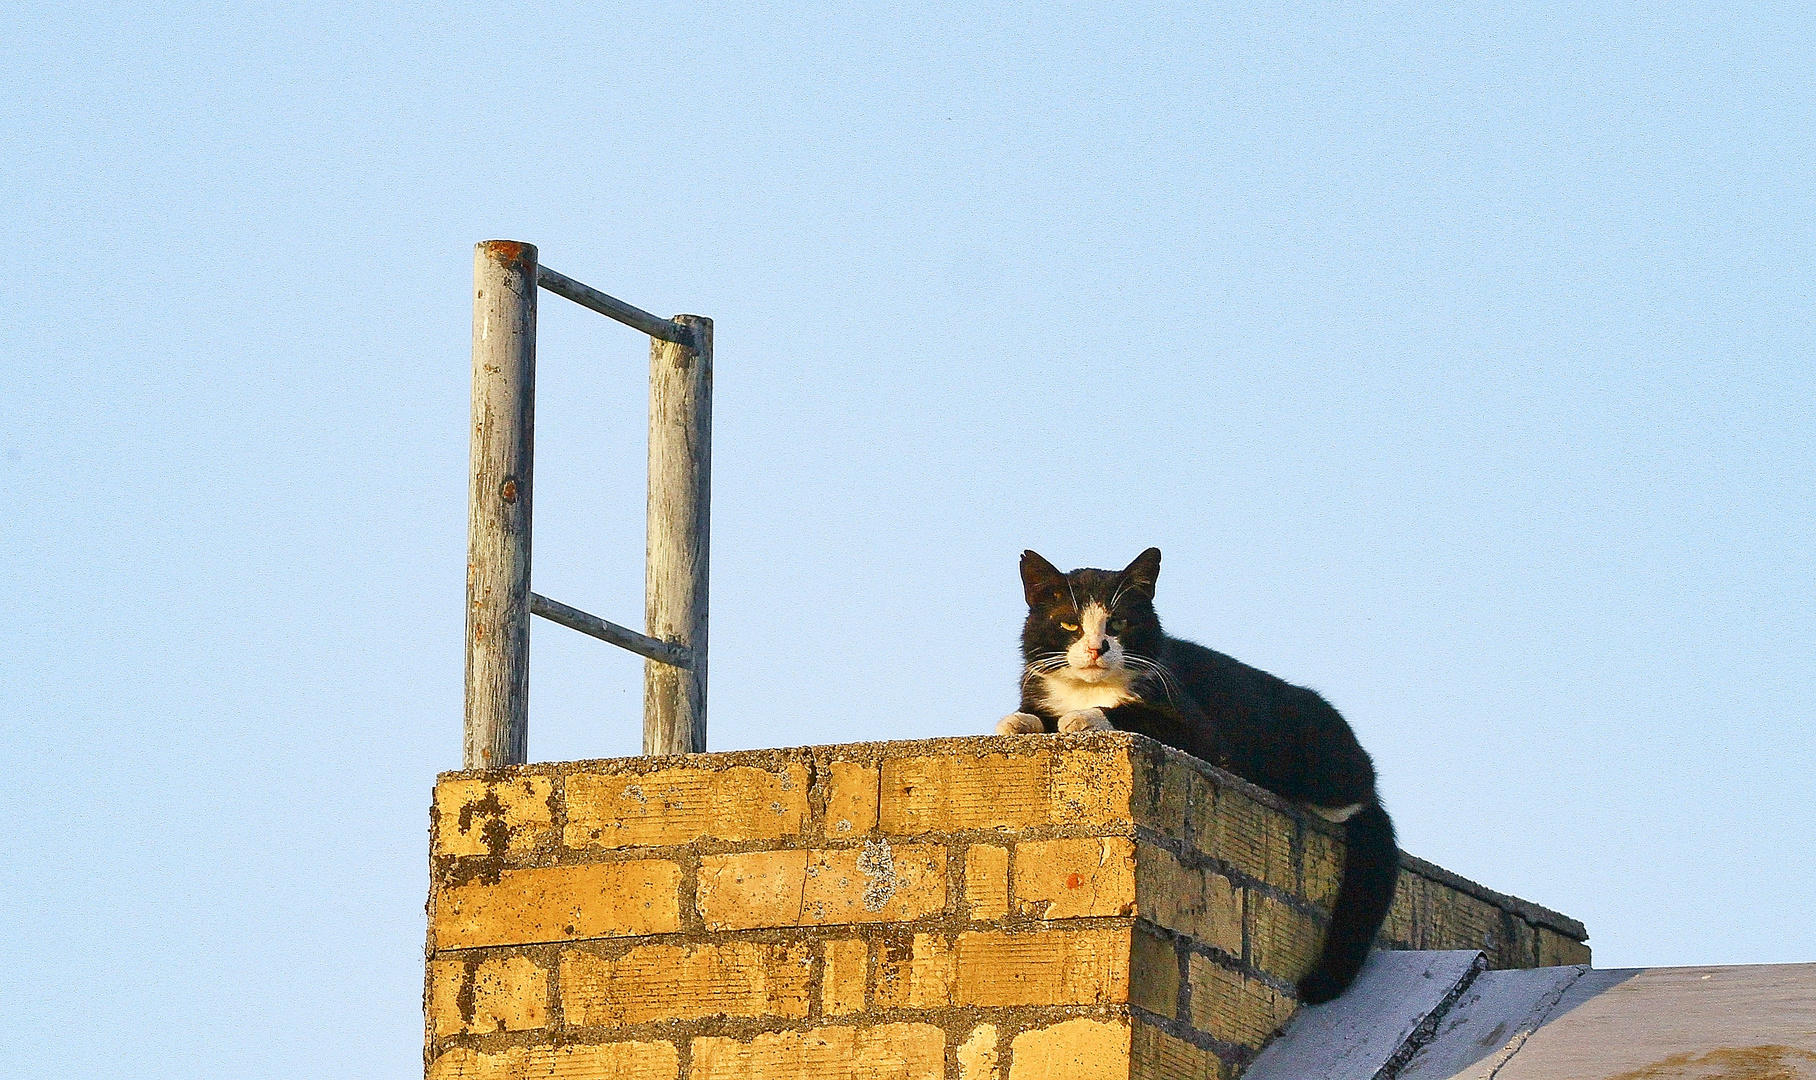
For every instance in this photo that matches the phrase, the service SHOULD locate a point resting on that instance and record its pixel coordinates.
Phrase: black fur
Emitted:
(1282, 737)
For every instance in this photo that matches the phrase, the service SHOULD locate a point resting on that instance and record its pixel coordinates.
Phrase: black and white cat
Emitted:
(1096, 658)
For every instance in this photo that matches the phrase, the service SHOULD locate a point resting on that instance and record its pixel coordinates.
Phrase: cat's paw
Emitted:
(1019, 723)
(1085, 720)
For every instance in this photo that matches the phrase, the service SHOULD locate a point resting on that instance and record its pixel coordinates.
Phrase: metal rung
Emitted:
(612, 307)
(662, 652)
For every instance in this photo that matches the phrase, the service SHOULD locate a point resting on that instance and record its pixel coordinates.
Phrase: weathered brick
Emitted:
(873, 883)
(1078, 965)
(1321, 868)
(1164, 794)
(1401, 927)
(851, 798)
(1120, 967)
(1453, 920)
(842, 983)
(977, 1055)
(1254, 839)
(607, 1061)
(1555, 949)
(884, 1052)
(1075, 878)
(1233, 1007)
(947, 794)
(504, 993)
(916, 973)
(1154, 975)
(1094, 786)
(1086, 965)
(1201, 904)
(493, 817)
(682, 982)
(681, 805)
(1005, 791)
(1283, 941)
(1155, 1055)
(1519, 951)
(446, 980)
(987, 881)
(1082, 1049)
(559, 903)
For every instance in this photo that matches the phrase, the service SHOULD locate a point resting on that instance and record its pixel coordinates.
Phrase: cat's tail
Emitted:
(1371, 868)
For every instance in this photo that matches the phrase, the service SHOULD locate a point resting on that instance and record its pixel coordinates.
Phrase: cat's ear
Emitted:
(1143, 572)
(1041, 580)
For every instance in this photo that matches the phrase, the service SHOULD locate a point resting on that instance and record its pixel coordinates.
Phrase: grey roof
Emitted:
(1440, 1016)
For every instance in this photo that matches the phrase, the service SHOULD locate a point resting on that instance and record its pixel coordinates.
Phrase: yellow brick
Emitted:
(610, 1061)
(758, 888)
(1005, 791)
(885, 1052)
(1154, 975)
(557, 903)
(1522, 950)
(1088, 965)
(948, 794)
(977, 1057)
(1322, 872)
(1076, 878)
(842, 985)
(918, 973)
(1283, 941)
(493, 817)
(851, 798)
(1449, 919)
(505, 993)
(1232, 1007)
(1073, 1049)
(446, 979)
(1201, 904)
(987, 881)
(874, 883)
(682, 982)
(1159, 1056)
(1402, 918)
(1163, 794)
(681, 805)
(1093, 786)
(1255, 839)
(1555, 949)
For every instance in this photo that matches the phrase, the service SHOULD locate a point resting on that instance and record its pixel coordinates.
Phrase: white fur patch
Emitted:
(1063, 695)
(1338, 814)
(1095, 653)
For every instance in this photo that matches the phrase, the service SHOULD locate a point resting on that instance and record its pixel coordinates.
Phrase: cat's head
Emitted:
(1089, 625)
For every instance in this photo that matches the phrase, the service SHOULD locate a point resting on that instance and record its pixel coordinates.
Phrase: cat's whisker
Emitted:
(1169, 686)
(1039, 666)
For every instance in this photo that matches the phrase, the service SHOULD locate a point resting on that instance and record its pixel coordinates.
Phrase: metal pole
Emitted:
(498, 504)
(680, 503)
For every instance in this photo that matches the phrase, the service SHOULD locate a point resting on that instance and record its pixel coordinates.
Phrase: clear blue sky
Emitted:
(1460, 362)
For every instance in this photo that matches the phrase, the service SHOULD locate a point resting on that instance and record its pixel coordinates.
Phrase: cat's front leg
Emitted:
(1019, 723)
(1085, 720)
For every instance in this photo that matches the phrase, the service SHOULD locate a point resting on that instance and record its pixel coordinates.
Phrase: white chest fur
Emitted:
(1069, 695)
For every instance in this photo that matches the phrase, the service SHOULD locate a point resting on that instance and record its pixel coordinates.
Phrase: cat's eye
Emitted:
(1117, 626)
(1068, 626)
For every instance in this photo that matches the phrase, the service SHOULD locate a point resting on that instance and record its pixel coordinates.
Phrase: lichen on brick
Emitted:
(878, 867)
